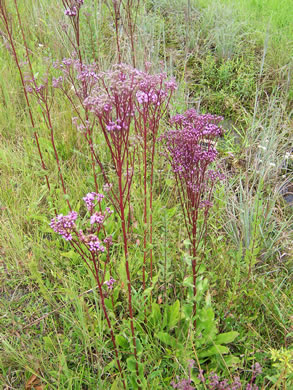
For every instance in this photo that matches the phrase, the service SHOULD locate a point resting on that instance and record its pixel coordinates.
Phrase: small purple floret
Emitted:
(64, 224)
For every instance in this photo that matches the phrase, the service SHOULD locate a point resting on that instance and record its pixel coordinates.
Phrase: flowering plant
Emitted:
(190, 149)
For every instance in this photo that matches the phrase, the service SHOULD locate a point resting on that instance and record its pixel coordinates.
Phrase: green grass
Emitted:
(232, 58)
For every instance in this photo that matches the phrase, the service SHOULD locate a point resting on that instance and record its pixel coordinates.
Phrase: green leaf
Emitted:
(155, 278)
(165, 317)
(214, 350)
(174, 314)
(187, 310)
(131, 364)
(226, 338)
(166, 339)
(156, 313)
(108, 304)
(147, 291)
(122, 272)
(70, 255)
(139, 348)
(231, 361)
(122, 341)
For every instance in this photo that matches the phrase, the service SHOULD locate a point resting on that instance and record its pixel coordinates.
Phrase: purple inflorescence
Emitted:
(94, 244)
(182, 384)
(214, 382)
(190, 149)
(97, 218)
(73, 8)
(110, 283)
(121, 94)
(108, 240)
(64, 224)
(91, 198)
(70, 11)
(190, 144)
(56, 82)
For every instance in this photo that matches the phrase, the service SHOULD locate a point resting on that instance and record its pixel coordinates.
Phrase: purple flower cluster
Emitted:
(214, 382)
(190, 149)
(90, 200)
(117, 96)
(126, 89)
(100, 217)
(94, 244)
(110, 283)
(73, 8)
(64, 224)
(182, 384)
(56, 82)
(108, 240)
(190, 144)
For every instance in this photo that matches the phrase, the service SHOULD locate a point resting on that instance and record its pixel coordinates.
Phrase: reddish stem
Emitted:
(108, 320)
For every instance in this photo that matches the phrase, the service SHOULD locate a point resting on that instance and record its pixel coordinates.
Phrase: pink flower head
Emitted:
(64, 224)
(110, 283)
(90, 199)
(94, 244)
(97, 218)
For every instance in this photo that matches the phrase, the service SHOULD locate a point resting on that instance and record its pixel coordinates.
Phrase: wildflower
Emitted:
(110, 283)
(108, 240)
(70, 11)
(109, 211)
(251, 387)
(64, 224)
(90, 198)
(183, 384)
(256, 368)
(107, 187)
(201, 376)
(114, 126)
(214, 380)
(97, 218)
(56, 82)
(236, 385)
(94, 244)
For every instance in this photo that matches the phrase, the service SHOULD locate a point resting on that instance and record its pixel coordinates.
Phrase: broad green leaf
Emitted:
(147, 291)
(139, 348)
(166, 339)
(226, 338)
(122, 341)
(174, 314)
(131, 364)
(187, 310)
(156, 313)
(214, 350)
(231, 361)
(108, 304)
(165, 317)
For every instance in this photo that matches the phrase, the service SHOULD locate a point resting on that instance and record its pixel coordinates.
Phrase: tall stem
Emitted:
(108, 321)
(125, 240)
(3, 13)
